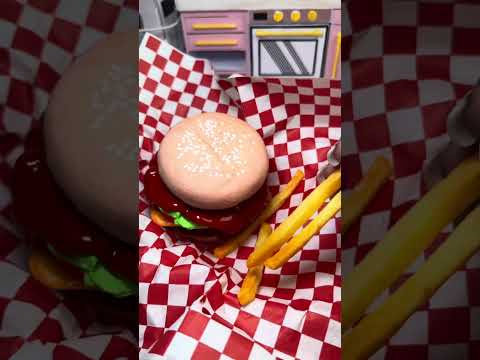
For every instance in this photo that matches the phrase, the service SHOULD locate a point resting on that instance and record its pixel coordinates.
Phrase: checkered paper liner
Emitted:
(404, 66)
(188, 301)
(38, 40)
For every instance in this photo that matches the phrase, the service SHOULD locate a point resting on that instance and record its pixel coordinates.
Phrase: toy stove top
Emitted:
(222, 5)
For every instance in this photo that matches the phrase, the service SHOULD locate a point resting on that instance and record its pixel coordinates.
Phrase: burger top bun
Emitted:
(91, 134)
(213, 161)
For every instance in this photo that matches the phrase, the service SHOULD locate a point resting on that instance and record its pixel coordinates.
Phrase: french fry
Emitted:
(254, 276)
(160, 218)
(275, 204)
(298, 242)
(376, 328)
(296, 219)
(45, 268)
(356, 202)
(411, 235)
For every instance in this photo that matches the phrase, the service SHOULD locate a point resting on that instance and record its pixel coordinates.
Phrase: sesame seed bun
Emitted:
(213, 161)
(89, 135)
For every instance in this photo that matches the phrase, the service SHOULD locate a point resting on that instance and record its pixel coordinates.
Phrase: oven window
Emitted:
(287, 57)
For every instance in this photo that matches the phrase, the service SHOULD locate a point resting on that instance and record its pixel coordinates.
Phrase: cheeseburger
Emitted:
(208, 178)
(74, 186)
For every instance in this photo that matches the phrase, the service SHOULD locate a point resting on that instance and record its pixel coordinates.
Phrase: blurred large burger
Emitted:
(75, 185)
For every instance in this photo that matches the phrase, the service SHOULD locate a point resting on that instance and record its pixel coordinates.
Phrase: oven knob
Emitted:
(312, 15)
(295, 16)
(278, 16)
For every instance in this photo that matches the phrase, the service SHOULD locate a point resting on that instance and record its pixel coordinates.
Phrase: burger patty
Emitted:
(198, 235)
(100, 307)
(48, 216)
(228, 221)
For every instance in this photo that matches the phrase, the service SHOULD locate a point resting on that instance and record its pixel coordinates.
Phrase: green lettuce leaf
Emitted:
(182, 221)
(97, 276)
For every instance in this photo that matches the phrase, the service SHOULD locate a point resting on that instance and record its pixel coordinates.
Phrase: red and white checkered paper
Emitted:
(188, 303)
(405, 65)
(38, 40)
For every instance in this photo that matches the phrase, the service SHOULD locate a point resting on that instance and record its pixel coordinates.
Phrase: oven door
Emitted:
(288, 51)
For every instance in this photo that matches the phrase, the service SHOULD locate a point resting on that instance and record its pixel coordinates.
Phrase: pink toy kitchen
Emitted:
(256, 38)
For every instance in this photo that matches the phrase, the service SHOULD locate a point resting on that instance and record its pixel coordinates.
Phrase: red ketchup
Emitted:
(228, 221)
(48, 216)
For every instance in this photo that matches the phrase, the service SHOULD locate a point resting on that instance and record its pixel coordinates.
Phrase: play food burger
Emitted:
(74, 186)
(208, 178)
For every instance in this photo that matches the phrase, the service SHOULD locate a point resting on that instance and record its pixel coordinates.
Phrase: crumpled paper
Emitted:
(188, 301)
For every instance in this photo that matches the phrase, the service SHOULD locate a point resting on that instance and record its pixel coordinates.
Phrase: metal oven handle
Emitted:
(300, 33)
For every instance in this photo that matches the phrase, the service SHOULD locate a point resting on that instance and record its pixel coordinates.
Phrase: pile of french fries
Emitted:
(274, 248)
(403, 243)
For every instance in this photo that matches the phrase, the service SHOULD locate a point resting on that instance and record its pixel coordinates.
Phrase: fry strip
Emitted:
(296, 219)
(160, 218)
(254, 276)
(376, 328)
(299, 241)
(411, 235)
(275, 204)
(355, 203)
